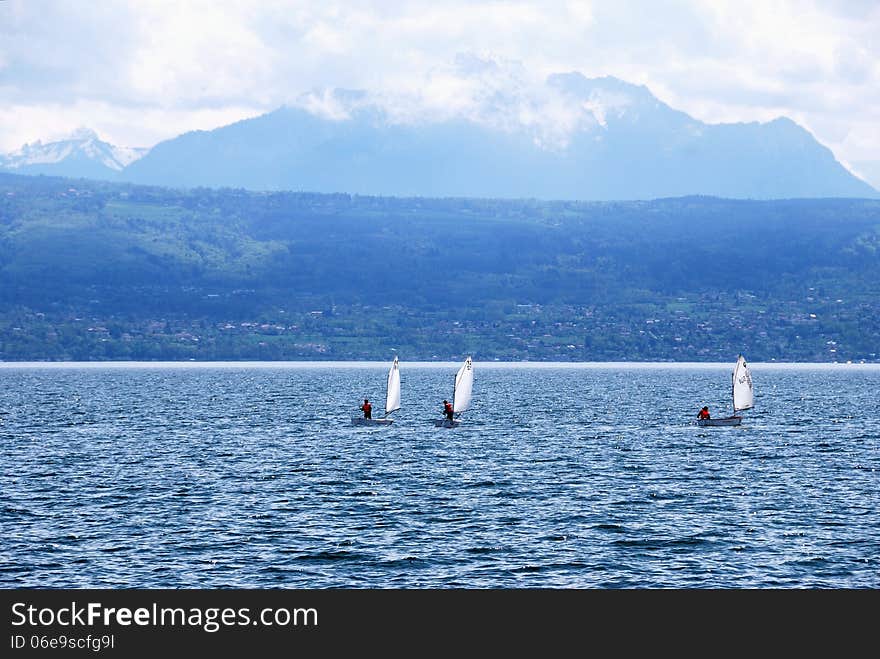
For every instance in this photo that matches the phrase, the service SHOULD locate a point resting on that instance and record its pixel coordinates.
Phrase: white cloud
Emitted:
(138, 71)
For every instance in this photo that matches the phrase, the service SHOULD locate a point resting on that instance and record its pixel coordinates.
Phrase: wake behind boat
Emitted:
(392, 400)
(461, 395)
(743, 396)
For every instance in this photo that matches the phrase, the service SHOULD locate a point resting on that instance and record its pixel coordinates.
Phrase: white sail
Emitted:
(392, 393)
(464, 384)
(743, 395)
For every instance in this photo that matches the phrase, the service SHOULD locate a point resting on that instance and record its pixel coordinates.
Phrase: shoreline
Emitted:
(61, 365)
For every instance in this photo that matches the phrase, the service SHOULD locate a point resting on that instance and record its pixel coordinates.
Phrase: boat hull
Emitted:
(361, 421)
(725, 421)
(446, 423)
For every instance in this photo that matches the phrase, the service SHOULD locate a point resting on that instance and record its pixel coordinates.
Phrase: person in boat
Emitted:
(367, 408)
(447, 409)
(703, 413)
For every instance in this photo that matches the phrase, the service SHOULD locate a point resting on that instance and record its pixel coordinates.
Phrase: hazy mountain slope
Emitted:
(618, 142)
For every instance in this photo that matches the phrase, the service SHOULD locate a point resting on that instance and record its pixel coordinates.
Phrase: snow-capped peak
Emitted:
(81, 144)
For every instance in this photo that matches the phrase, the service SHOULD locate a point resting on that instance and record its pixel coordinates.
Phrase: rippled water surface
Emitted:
(251, 475)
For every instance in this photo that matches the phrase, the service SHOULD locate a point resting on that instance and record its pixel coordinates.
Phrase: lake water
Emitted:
(561, 476)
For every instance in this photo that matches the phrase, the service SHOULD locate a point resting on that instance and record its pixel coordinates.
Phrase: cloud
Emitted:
(98, 64)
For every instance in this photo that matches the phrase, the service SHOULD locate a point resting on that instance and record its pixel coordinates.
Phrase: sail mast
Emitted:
(733, 387)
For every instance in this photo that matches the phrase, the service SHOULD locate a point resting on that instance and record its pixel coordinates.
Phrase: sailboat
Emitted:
(461, 394)
(743, 396)
(392, 400)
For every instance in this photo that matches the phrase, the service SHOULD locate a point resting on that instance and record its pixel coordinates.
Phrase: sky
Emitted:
(142, 71)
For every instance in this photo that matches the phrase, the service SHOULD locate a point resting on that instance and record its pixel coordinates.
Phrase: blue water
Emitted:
(251, 476)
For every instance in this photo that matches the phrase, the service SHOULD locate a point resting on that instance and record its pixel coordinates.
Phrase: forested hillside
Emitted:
(93, 271)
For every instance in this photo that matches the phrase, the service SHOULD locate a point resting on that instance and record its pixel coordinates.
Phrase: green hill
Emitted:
(93, 271)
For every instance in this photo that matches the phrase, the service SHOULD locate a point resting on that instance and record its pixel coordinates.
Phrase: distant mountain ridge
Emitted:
(81, 155)
(594, 139)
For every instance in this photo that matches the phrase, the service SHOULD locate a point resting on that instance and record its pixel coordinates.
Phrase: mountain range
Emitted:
(81, 155)
(599, 139)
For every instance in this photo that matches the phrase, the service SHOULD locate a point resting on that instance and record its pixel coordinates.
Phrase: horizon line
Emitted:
(9, 365)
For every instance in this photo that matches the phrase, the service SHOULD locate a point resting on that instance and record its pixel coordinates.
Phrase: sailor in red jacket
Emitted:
(368, 409)
(447, 409)
(703, 413)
